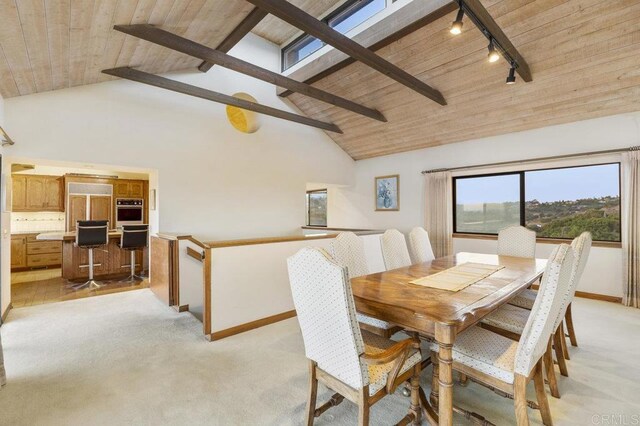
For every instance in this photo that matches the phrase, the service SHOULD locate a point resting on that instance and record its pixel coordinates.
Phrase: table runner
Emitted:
(458, 277)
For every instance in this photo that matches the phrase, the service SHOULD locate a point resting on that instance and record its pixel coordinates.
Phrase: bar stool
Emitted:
(90, 235)
(134, 237)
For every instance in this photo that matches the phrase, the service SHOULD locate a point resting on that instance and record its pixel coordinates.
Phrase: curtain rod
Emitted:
(533, 160)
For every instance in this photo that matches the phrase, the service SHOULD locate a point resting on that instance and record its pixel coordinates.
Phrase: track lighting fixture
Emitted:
(493, 53)
(456, 27)
(512, 75)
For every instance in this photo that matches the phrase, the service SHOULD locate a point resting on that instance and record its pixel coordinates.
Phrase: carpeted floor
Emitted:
(125, 359)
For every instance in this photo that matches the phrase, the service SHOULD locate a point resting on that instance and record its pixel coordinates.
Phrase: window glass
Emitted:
(317, 208)
(300, 50)
(487, 204)
(562, 203)
(356, 14)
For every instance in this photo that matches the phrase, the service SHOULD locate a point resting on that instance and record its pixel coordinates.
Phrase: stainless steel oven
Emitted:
(129, 211)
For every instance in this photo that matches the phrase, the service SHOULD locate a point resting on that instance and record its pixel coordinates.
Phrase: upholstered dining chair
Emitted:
(347, 249)
(510, 320)
(525, 299)
(507, 365)
(517, 241)
(420, 246)
(394, 249)
(359, 366)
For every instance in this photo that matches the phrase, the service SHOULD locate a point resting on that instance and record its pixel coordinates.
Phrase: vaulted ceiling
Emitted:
(584, 56)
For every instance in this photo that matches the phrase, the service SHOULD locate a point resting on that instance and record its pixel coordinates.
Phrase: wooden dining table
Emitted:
(442, 314)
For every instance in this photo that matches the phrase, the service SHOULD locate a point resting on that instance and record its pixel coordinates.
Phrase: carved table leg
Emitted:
(445, 336)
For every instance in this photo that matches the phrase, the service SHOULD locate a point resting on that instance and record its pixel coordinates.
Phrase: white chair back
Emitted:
(347, 250)
(581, 248)
(327, 316)
(420, 246)
(517, 241)
(394, 249)
(540, 325)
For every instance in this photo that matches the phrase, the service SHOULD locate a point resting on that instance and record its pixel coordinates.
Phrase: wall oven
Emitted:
(129, 211)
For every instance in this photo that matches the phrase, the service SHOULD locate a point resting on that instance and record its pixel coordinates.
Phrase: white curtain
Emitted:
(439, 220)
(3, 378)
(631, 227)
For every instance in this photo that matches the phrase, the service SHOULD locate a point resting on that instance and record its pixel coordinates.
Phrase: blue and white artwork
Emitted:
(387, 193)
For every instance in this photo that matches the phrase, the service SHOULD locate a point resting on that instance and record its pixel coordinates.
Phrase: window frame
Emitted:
(315, 191)
(523, 197)
(347, 6)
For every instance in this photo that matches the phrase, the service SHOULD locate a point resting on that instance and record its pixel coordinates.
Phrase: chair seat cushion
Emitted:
(378, 373)
(485, 351)
(509, 317)
(374, 322)
(525, 299)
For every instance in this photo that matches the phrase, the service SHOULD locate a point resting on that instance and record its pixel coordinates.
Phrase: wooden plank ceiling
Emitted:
(53, 44)
(278, 31)
(584, 56)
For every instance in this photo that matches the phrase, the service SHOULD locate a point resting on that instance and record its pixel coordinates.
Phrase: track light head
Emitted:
(456, 27)
(493, 53)
(512, 76)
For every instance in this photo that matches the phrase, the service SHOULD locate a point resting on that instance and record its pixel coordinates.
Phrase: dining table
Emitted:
(443, 314)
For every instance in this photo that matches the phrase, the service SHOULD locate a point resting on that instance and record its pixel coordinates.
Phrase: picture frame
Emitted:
(386, 193)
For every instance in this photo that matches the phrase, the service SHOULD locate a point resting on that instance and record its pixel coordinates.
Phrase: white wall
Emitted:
(604, 273)
(212, 180)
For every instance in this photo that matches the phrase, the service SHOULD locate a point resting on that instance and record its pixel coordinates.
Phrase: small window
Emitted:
(317, 208)
(343, 20)
(555, 203)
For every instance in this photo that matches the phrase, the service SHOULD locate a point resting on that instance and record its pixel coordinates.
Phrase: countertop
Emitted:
(68, 236)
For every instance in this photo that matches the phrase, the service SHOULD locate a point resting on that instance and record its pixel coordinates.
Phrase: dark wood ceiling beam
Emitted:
(392, 38)
(485, 19)
(198, 92)
(213, 56)
(248, 23)
(310, 25)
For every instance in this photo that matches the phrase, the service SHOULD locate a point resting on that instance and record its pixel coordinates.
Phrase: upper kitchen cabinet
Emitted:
(37, 193)
(129, 189)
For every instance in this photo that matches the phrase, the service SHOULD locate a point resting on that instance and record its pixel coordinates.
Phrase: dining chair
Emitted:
(525, 299)
(394, 249)
(359, 366)
(506, 365)
(347, 249)
(517, 241)
(510, 320)
(420, 246)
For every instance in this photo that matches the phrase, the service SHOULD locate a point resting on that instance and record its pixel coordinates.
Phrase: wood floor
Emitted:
(47, 286)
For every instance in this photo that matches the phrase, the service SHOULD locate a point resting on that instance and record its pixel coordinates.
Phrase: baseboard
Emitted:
(4, 316)
(180, 308)
(596, 296)
(251, 325)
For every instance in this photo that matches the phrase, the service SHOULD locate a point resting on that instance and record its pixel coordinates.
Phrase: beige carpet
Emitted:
(125, 359)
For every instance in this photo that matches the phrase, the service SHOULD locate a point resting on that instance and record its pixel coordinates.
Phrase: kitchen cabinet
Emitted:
(36, 193)
(28, 252)
(18, 251)
(77, 210)
(100, 208)
(129, 189)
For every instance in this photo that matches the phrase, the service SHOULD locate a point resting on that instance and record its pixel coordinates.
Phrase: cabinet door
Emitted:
(121, 189)
(77, 210)
(100, 207)
(136, 189)
(36, 190)
(18, 251)
(18, 193)
(53, 194)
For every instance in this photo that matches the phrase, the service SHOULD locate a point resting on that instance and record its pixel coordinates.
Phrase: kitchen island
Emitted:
(109, 262)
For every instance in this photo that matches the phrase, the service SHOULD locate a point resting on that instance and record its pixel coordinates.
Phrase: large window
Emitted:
(344, 19)
(556, 203)
(317, 207)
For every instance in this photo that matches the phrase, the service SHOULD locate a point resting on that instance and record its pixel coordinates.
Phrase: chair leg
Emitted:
(463, 379)
(520, 400)
(551, 371)
(572, 333)
(565, 349)
(313, 393)
(557, 345)
(435, 384)
(415, 396)
(363, 407)
(541, 395)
